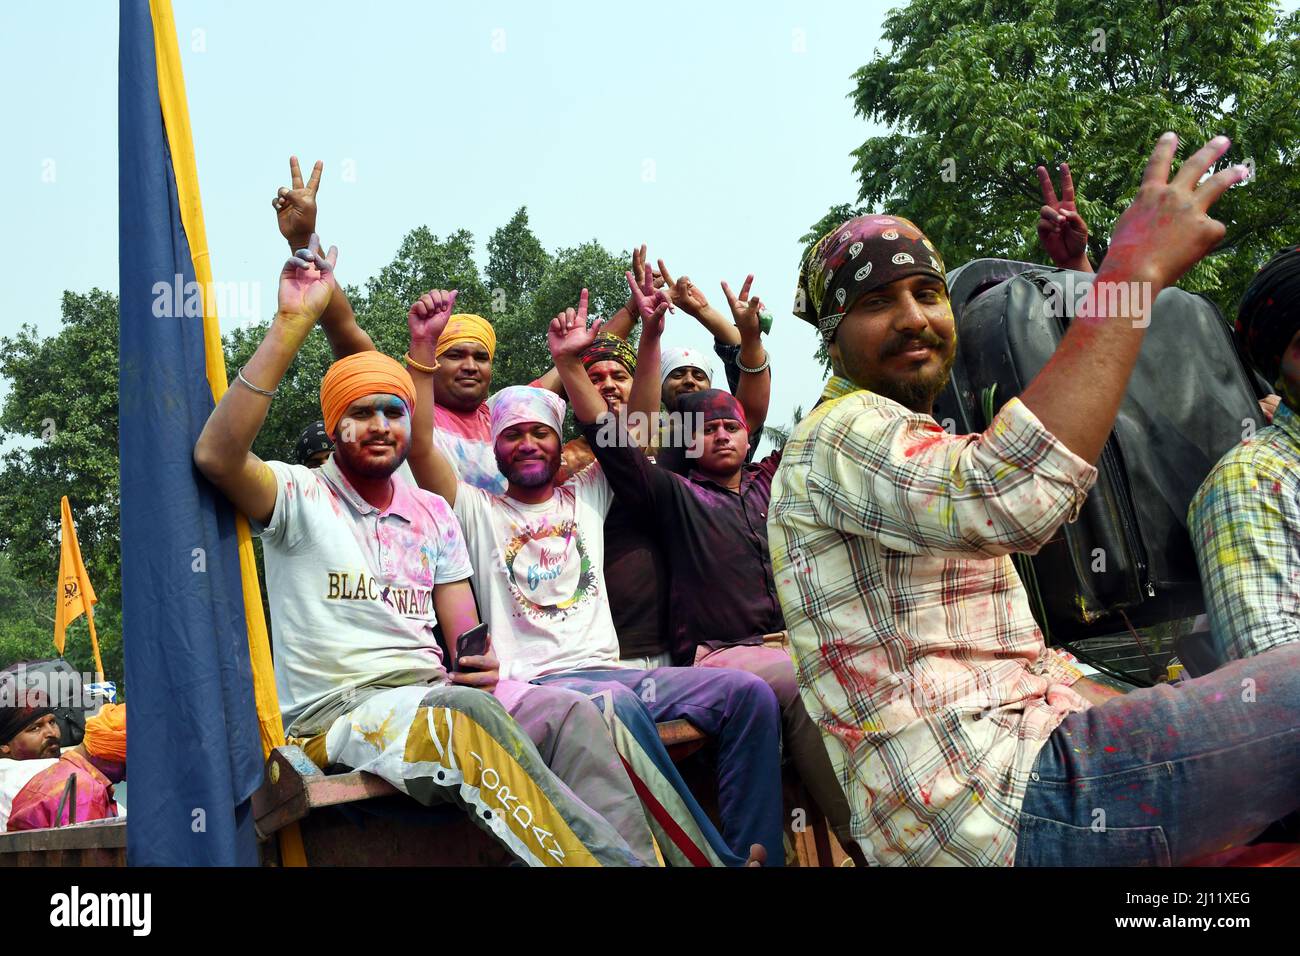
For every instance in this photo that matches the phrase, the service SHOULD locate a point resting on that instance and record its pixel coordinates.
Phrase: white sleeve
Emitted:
(592, 489)
(288, 526)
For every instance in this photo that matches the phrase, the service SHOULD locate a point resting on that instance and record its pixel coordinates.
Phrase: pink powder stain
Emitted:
(1170, 732)
(925, 444)
(1111, 750)
(1148, 809)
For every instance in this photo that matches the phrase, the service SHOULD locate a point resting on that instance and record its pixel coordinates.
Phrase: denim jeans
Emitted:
(1169, 773)
(735, 708)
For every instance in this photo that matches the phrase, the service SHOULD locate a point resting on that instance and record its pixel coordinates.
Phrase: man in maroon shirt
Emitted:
(712, 527)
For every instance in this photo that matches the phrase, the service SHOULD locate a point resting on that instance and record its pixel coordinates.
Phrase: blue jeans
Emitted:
(738, 710)
(1169, 773)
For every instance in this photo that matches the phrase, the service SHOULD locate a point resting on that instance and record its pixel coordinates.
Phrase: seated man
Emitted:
(959, 737)
(1245, 519)
(42, 786)
(538, 558)
(360, 568)
(723, 608)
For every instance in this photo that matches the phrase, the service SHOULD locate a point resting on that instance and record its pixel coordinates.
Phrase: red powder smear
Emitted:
(1277, 486)
(1171, 732)
(1147, 808)
(926, 443)
(1111, 750)
(989, 522)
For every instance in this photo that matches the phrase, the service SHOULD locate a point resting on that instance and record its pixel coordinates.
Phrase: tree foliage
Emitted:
(977, 92)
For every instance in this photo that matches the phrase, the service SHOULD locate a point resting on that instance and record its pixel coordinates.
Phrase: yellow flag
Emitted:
(76, 596)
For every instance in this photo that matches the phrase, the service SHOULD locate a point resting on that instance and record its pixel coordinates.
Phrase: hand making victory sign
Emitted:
(1061, 229)
(295, 208)
(744, 310)
(649, 303)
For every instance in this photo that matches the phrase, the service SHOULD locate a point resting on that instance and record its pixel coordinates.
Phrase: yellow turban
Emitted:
(106, 733)
(359, 375)
(467, 327)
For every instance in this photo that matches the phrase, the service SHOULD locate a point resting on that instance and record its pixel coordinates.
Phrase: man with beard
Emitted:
(958, 736)
(36, 789)
(723, 608)
(360, 569)
(538, 557)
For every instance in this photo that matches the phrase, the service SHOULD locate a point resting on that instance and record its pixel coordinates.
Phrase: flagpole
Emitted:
(94, 643)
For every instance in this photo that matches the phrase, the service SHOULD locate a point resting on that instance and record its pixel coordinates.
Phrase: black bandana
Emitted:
(1269, 314)
(312, 440)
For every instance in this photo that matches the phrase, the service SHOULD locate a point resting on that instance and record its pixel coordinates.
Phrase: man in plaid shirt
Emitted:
(959, 738)
(1245, 519)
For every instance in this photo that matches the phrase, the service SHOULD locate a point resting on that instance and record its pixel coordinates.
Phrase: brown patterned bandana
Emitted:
(865, 253)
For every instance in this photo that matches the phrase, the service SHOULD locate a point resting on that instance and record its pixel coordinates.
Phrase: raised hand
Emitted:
(568, 336)
(428, 317)
(1168, 229)
(649, 303)
(295, 208)
(745, 311)
(683, 293)
(1061, 229)
(307, 282)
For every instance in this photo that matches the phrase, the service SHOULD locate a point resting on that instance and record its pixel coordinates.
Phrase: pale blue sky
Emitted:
(741, 108)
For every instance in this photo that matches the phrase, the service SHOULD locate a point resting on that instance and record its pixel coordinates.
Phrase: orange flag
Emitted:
(76, 597)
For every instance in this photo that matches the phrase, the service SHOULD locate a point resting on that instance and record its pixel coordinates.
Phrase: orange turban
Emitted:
(359, 375)
(467, 327)
(106, 733)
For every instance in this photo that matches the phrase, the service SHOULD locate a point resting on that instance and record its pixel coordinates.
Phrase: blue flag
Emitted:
(194, 751)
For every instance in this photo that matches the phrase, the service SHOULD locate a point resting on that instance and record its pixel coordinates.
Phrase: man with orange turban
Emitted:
(360, 569)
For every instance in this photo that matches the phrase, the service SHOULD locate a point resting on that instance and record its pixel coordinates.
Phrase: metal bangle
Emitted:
(250, 386)
(767, 360)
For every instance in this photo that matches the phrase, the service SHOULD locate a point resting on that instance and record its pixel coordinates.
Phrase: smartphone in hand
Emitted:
(470, 644)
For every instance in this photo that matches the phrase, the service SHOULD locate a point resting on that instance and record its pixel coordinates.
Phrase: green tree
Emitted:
(978, 92)
(61, 409)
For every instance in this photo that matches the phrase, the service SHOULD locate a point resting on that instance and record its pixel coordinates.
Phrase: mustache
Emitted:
(899, 344)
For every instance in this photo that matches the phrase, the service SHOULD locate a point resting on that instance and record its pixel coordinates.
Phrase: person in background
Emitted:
(314, 445)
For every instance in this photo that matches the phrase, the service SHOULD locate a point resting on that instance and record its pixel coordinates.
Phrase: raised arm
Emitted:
(223, 452)
(651, 307)
(568, 337)
(687, 296)
(295, 211)
(1061, 229)
(755, 389)
(1160, 236)
(426, 319)
(620, 323)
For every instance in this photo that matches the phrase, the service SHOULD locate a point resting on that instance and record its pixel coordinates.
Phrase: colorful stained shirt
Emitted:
(720, 590)
(1245, 528)
(36, 806)
(351, 590)
(466, 440)
(914, 646)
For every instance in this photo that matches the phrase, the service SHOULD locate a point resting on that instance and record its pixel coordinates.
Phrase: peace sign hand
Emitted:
(295, 208)
(1061, 229)
(649, 303)
(745, 310)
